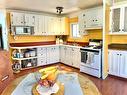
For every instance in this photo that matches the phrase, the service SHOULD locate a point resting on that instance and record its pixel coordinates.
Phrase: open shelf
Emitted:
(24, 58)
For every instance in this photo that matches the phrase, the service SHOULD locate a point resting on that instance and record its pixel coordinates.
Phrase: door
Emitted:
(62, 54)
(36, 26)
(123, 64)
(41, 25)
(29, 20)
(76, 57)
(17, 19)
(46, 25)
(62, 26)
(124, 18)
(56, 54)
(114, 62)
(115, 20)
(69, 56)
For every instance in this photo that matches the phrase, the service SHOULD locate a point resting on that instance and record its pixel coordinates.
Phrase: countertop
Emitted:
(116, 46)
(42, 44)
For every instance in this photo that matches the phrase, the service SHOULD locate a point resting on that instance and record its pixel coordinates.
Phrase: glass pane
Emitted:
(75, 29)
(116, 20)
(125, 20)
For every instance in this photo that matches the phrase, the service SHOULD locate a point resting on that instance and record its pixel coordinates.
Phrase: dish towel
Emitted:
(71, 84)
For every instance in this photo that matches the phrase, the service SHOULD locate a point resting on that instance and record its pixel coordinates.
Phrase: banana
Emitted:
(44, 76)
(47, 69)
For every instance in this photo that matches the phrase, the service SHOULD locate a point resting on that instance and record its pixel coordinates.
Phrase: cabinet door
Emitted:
(76, 57)
(114, 63)
(69, 56)
(47, 25)
(51, 25)
(115, 20)
(82, 23)
(29, 20)
(57, 26)
(123, 64)
(62, 27)
(124, 18)
(41, 61)
(48, 55)
(62, 54)
(17, 19)
(56, 54)
(41, 25)
(36, 26)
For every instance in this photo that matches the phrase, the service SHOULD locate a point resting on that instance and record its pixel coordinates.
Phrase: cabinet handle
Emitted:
(93, 20)
(117, 54)
(122, 29)
(84, 15)
(120, 54)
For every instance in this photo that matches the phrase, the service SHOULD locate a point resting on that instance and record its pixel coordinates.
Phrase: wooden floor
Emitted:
(110, 86)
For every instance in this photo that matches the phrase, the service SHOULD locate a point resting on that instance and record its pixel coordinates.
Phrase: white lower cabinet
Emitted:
(70, 56)
(118, 63)
(53, 54)
(41, 53)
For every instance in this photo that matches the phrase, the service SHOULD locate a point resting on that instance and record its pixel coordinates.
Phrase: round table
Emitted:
(88, 87)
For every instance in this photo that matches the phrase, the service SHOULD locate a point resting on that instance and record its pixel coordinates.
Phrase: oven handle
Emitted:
(83, 51)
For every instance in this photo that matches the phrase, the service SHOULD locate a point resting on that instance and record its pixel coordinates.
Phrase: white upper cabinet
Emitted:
(22, 19)
(29, 20)
(17, 19)
(118, 20)
(43, 24)
(91, 19)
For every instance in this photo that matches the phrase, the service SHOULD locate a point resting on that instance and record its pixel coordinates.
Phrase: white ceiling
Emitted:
(49, 5)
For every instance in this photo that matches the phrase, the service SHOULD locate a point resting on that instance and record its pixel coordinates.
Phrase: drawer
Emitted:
(41, 49)
(90, 71)
(41, 54)
(41, 61)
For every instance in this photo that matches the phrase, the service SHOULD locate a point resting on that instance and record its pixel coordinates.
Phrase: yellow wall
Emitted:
(92, 34)
(122, 39)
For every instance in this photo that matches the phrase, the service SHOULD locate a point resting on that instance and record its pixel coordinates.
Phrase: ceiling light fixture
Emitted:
(59, 10)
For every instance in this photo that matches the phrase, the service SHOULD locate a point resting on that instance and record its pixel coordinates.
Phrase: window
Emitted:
(75, 30)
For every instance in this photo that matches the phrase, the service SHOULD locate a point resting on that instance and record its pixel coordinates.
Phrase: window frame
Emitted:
(71, 32)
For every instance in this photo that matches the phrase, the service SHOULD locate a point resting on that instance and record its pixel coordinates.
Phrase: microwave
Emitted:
(19, 30)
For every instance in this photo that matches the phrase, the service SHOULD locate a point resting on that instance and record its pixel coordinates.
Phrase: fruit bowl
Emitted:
(43, 90)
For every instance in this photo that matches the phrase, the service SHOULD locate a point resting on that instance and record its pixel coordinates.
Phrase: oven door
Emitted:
(90, 58)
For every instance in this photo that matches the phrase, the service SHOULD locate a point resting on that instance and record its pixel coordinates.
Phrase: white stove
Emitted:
(91, 58)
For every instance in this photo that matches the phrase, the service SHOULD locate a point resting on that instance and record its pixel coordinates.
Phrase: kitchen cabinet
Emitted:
(43, 24)
(76, 58)
(70, 56)
(29, 20)
(42, 54)
(17, 19)
(118, 20)
(52, 54)
(62, 54)
(22, 19)
(90, 19)
(118, 63)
